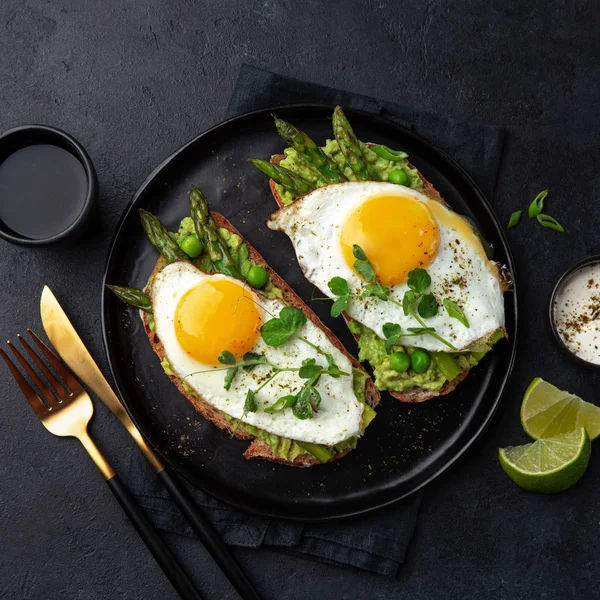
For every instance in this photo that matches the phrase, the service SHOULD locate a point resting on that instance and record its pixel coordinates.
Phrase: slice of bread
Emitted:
(258, 448)
(414, 394)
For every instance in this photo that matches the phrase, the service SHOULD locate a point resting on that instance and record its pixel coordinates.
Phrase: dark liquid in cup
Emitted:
(42, 191)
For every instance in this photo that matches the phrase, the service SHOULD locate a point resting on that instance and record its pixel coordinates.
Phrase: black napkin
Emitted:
(377, 542)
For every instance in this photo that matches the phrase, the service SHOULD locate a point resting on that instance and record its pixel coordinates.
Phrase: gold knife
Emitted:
(72, 350)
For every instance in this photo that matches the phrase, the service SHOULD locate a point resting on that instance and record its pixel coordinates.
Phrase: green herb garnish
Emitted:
(428, 306)
(549, 222)
(419, 281)
(535, 212)
(391, 332)
(281, 404)
(514, 219)
(279, 330)
(454, 310)
(276, 332)
(415, 302)
(339, 287)
(536, 207)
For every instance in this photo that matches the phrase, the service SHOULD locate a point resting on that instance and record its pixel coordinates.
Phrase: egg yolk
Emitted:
(397, 233)
(214, 316)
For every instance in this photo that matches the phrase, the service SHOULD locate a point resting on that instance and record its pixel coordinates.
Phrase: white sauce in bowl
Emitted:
(576, 313)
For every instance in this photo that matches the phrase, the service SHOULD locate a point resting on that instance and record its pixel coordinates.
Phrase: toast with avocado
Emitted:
(223, 252)
(305, 167)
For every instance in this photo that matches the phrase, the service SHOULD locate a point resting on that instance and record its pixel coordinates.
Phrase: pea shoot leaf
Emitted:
(428, 306)
(358, 252)
(279, 330)
(418, 280)
(333, 370)
(421, 330)
(375, 290)
(315, 398)
(339, 286)
(250, 402)
(536, 207)
(391, 332)
(292, 318)
(251, 357)
(407, 300)
(339, 306)
(302, 408)
(281, 404)
(229, 377)
(309, 371)
(365, 269)
(455, 311)
(226, 358)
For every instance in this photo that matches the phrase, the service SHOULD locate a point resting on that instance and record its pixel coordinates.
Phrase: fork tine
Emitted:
(50, 399)
(54, 383)
(65, 373)
(38, 406)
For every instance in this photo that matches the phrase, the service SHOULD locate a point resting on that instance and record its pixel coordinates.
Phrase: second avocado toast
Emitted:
(316, 186)
(284, 382)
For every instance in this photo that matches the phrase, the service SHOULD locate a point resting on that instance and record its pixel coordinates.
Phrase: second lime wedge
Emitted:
(550, 465)
(547, 412)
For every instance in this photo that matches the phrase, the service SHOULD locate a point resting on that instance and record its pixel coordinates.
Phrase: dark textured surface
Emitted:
(133, 82)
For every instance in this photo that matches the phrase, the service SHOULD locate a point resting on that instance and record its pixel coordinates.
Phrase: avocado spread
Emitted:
(237, 249)
(372, 349)
(383, 167)
(284, 448)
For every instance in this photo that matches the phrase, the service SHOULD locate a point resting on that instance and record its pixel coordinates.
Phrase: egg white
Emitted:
(314, 223)
(339, 415)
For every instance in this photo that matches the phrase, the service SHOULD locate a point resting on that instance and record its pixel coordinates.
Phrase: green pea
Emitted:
(257, 276)
(420, 361)
(398, 176)
(192, 246)
(399, 361)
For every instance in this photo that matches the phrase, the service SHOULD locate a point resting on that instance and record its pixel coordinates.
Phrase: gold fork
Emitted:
(67, 413)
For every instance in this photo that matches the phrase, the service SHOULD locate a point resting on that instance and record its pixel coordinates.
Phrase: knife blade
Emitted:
(72, 350)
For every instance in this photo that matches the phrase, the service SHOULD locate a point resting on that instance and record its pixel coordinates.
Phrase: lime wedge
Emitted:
(550, 465)
(547, 411)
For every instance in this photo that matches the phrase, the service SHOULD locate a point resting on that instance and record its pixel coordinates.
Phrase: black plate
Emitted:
(405, 447)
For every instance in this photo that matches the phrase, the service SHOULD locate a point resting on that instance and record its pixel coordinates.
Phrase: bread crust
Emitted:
(258, 449)
(413, 395)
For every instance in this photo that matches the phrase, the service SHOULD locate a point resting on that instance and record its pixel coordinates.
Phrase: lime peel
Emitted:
(548, 465)
(547, 411)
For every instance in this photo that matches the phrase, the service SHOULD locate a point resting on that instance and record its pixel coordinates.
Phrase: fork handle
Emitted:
(209, 536)
(161, 552)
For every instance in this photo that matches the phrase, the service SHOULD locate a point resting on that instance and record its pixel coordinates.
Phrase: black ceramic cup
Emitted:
(21, 137)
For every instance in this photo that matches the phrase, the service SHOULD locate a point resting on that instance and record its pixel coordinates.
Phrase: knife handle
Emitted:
(161, 552)
(209, 536)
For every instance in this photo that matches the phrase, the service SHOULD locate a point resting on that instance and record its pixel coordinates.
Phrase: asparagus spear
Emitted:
(309, 151)
(206, 230)
(289, 180)
(132, 296)
(160, 238)
(350, 146)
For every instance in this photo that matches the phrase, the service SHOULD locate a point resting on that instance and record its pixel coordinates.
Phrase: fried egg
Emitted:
(199, 315)
(399, 229)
